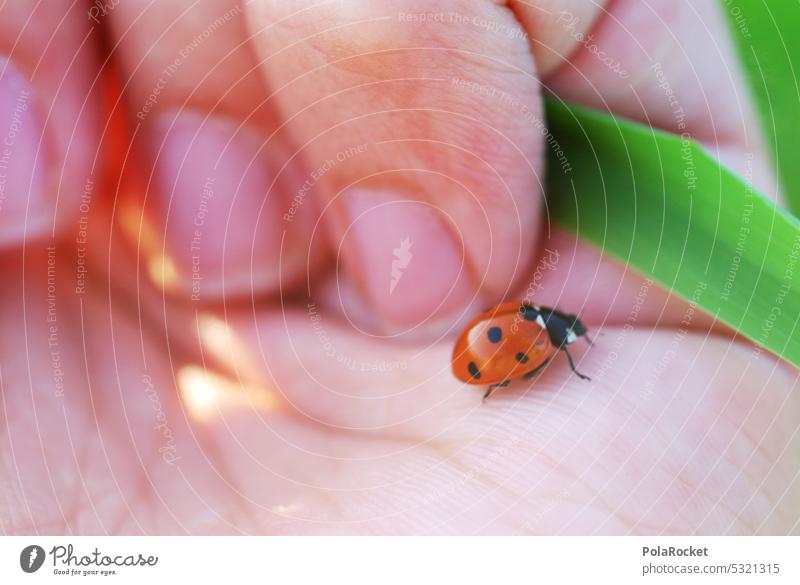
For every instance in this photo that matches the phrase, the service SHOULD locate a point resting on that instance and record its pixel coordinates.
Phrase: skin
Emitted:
(685, 427)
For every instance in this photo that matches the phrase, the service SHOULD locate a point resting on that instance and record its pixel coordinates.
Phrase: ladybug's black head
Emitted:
(563, 329)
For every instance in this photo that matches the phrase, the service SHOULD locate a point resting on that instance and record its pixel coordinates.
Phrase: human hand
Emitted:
(282, 153)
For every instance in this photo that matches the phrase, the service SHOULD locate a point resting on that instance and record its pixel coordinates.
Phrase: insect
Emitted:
(513, 340)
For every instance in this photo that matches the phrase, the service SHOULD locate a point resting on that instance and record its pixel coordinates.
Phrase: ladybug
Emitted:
(513, 340)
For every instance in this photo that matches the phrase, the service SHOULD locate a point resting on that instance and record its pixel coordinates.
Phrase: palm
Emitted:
(694, 450)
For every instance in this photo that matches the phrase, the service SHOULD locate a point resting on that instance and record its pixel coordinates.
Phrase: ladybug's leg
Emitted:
(536, 370)
(572, 365)
(492, 388)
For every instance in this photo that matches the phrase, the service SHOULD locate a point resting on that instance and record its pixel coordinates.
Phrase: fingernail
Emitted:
(21, 153)
(215, 202)
(405, 258)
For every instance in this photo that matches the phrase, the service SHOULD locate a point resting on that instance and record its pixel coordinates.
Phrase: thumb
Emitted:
(415, 126)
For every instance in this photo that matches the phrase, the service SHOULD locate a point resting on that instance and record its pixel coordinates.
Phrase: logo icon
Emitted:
(31, 558)
(402, 256)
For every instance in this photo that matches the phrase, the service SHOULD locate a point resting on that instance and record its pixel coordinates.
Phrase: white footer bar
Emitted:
(401, 560)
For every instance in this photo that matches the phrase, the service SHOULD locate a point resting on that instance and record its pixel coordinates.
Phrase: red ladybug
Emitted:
(513, 340)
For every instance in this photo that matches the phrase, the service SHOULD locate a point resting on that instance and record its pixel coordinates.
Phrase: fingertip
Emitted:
(407, 257)
(220, 201)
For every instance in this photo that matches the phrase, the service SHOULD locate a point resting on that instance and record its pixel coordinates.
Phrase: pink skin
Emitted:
(353, 422)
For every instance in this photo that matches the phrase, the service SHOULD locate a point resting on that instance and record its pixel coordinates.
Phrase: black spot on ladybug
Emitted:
(522, 358)
(473, 370)
(529, 313)
(494, 334)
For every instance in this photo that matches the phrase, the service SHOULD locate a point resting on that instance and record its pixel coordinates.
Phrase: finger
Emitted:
(668, 64)
(48, 133)
(424, 133)
(222, 178)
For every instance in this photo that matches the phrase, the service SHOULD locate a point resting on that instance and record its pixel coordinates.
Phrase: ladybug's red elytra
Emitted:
(513, 340)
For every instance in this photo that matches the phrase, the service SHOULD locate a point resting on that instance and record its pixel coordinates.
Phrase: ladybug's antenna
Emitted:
(588, 340)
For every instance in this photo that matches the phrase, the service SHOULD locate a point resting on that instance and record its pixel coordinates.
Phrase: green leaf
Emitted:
(659, 203)
(767, 34)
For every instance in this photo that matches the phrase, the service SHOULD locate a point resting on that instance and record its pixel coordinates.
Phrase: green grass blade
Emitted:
(768, 37)
(664, 206)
